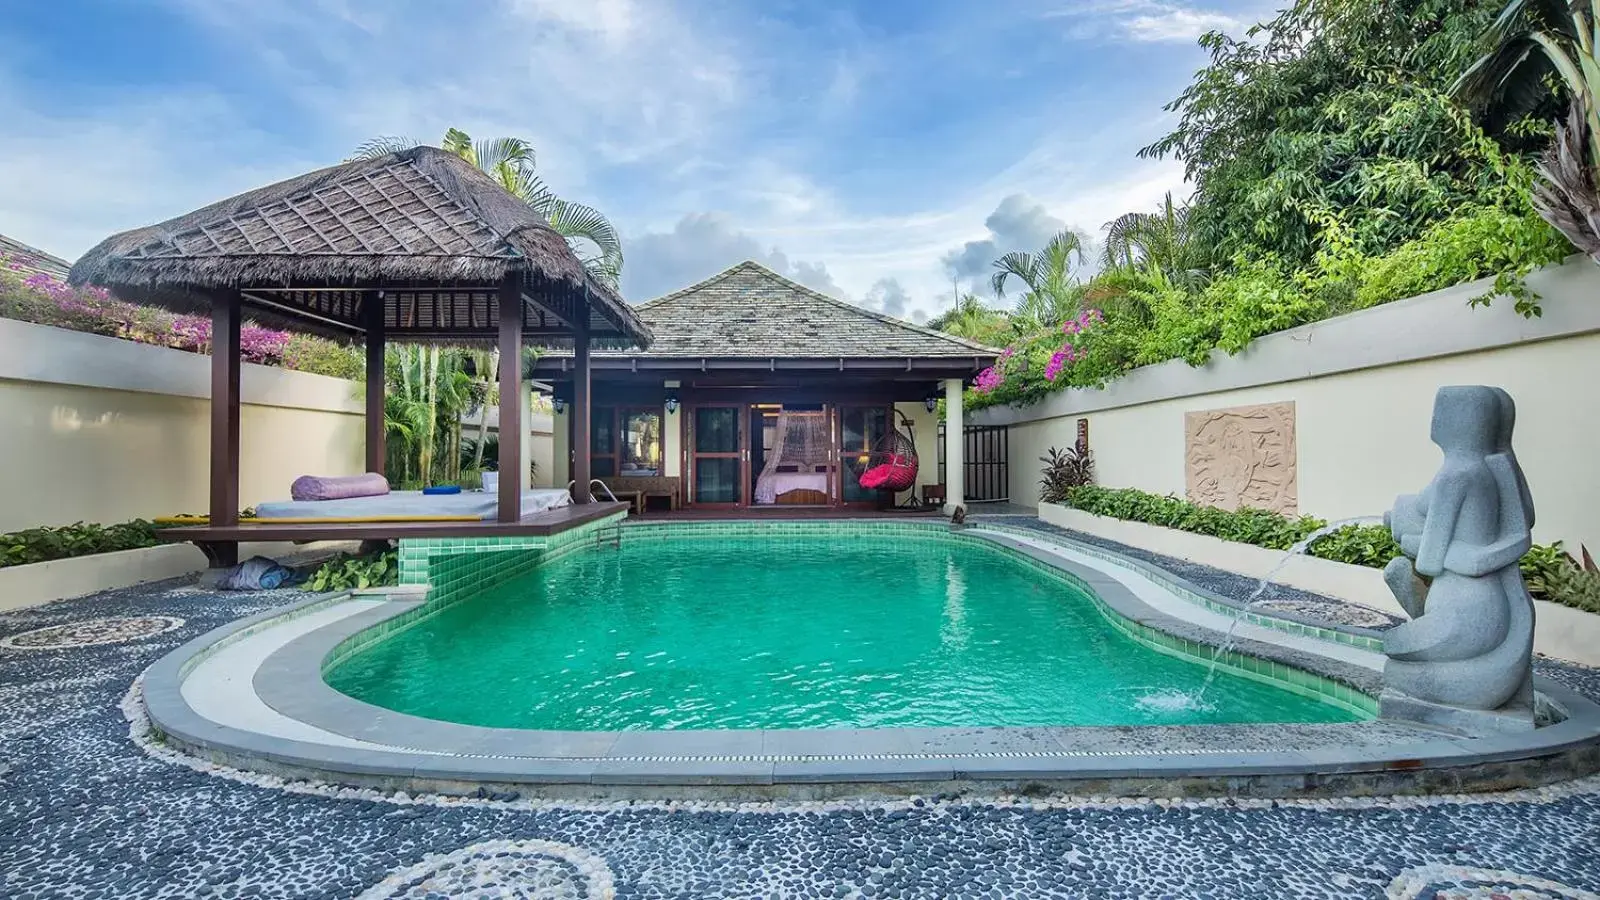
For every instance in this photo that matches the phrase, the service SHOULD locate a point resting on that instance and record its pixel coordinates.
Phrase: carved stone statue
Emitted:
(1465, 658)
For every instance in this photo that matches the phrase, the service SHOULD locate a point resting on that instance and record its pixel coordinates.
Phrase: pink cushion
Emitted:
(874, 477)
(338, 487)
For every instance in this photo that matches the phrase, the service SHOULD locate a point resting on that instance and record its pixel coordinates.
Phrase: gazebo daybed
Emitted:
(416, 246)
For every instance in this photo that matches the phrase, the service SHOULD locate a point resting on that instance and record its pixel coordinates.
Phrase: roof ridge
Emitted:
(698, 285)
(871, 313)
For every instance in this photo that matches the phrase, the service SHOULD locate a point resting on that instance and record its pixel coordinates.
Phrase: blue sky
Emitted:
(876, 150)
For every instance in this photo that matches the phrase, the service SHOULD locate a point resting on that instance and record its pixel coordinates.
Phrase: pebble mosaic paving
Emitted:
(90, 808)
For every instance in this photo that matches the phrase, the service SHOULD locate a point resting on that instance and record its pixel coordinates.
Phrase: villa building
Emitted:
(757, 391)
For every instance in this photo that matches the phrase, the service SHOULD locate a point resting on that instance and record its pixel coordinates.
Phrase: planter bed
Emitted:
(43, 582)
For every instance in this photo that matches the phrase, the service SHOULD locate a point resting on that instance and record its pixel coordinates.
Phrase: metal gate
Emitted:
(986, 465)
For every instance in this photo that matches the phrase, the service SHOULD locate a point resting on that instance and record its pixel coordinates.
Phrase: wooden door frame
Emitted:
(690, 456)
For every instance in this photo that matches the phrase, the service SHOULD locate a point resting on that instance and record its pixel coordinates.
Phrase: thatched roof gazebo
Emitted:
(414, 246)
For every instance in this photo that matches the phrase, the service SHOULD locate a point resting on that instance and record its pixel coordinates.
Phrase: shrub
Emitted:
(43, 300)
(1063, 471)
(1152, 316)
(79, 539)
(304, 353)
(1576, 587)
(351, 572)
(1549, 571)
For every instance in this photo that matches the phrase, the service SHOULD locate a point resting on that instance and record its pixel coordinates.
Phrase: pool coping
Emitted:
(420, 753)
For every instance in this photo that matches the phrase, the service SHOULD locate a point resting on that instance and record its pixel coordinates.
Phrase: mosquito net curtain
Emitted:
(801, 452)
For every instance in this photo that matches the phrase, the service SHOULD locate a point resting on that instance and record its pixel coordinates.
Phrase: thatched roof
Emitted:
(32, 259)
(422, 229)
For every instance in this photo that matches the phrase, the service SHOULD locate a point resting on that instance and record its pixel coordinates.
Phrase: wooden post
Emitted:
(582, 406)
(510, 407)
(225, 317)
(375, 384)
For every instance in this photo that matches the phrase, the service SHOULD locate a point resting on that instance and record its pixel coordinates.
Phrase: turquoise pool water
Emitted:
(665, 633)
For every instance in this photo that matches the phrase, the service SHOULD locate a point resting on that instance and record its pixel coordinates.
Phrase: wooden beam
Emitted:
(225, 319)
(582, 411)
(510, 508)
(375, 384)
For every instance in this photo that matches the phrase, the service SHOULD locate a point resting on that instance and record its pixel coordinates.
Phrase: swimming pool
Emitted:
(799, 631)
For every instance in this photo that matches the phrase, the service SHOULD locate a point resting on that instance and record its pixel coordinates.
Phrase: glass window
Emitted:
(602, 431)
(861, 427)
(716, 429)
(641, 443)
(716, 480)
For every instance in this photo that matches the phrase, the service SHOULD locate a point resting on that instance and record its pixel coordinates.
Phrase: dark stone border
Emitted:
(1189, 760)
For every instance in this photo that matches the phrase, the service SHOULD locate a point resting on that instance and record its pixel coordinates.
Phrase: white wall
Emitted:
(1363, 388)
(97, 429)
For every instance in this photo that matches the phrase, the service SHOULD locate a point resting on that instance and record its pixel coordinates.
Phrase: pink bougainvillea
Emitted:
(45, 300)
(988, 380)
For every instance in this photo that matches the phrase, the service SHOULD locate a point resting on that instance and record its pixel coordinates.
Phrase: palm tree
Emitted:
(1054, 294)
(510, 161)
(1160, 240)
(1529, 40)
(971, 319)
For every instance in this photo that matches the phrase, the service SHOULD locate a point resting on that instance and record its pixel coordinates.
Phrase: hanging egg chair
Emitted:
(892, 465)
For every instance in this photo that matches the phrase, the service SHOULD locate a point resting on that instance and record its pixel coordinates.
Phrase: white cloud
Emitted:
(63, 191)
(1178, 24)
(1148, 21)
(1018, 223)
(699, 246)
(889, 297)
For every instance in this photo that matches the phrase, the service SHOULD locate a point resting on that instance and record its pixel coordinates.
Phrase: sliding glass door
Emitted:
(860, 430)
(717, 455)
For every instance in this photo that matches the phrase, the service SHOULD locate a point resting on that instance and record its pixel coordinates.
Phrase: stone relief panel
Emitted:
(1244, 456)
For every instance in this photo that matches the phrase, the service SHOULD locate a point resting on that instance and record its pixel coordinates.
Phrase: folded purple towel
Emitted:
(338, 487)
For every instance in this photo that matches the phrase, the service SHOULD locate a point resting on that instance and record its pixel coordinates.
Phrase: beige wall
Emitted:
(1363, 389)
(925, 430)
(134, 441)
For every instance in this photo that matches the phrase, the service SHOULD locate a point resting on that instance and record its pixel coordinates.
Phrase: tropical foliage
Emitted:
(1531, 44)
(1053, 292)
(1550, 572)
(431, 392)
(347, 572)
(1064, 470)
(1333, 170)
(511, 162)
(43, 544)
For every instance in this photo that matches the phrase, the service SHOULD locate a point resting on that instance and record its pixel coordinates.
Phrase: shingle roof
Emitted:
(752, 311)
(32, 259)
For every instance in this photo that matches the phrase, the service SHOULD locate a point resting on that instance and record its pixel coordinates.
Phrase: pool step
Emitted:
(608, 536)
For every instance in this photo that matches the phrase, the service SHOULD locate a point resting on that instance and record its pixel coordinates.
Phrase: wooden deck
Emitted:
(219, 542)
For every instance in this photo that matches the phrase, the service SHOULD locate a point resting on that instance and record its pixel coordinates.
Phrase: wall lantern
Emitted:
(559, 404)
(672, 402)
(932, 403)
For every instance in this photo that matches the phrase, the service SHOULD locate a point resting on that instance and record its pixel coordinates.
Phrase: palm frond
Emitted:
(575, 221)
(383, 146)
(1023, 266)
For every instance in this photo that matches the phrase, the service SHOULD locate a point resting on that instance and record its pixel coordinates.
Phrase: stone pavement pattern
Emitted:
(86, 812)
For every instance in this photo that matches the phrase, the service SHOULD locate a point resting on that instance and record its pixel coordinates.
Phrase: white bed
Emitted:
(771, 485)
(482, 504)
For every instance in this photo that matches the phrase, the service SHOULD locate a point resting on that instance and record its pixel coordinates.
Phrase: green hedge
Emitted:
(1547, 568)
(80, 539)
